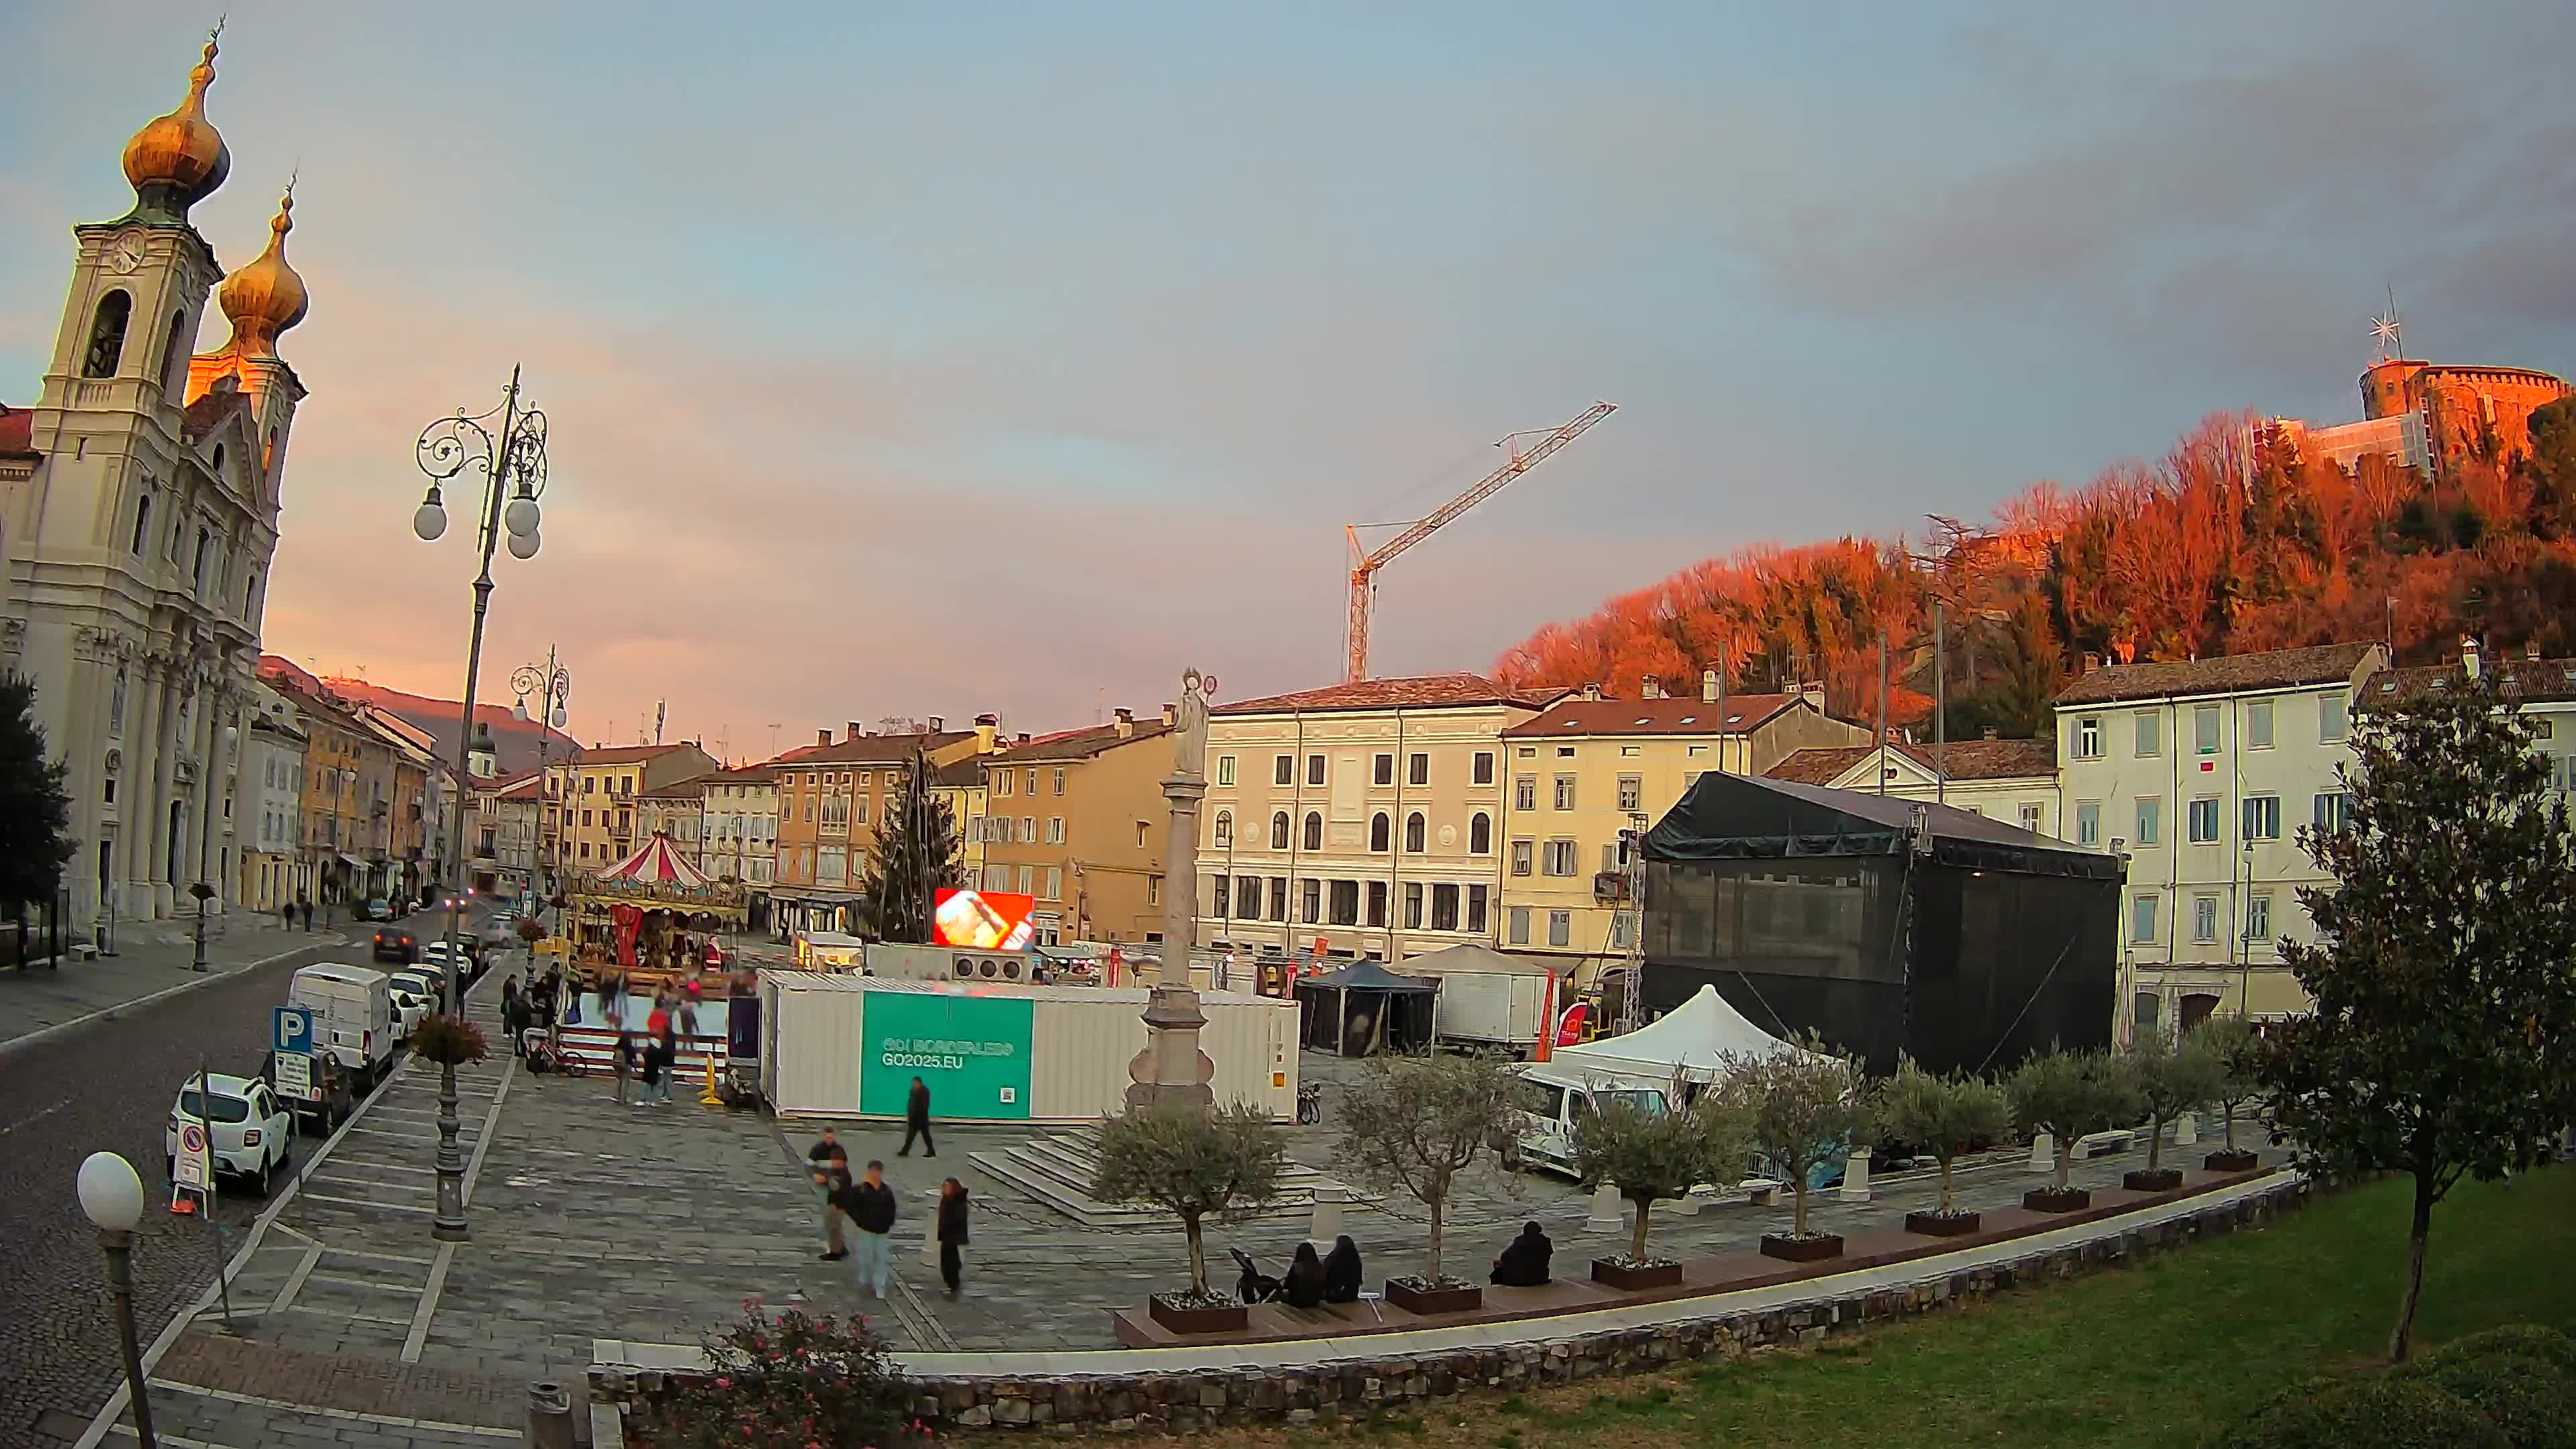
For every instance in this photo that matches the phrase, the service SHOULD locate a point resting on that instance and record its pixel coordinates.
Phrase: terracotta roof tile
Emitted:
(17, 432)
(209, 411)
(1965, 759)
(2226, 674)
(1428, 691)
(964, 774)
(2548, 680)
(1575, 715)
(1076, 744)
(873, 749)
(623, 754)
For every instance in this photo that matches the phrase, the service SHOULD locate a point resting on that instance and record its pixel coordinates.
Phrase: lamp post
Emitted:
(553, 686)
(111, 1196)
(513, 464)
(204, 893)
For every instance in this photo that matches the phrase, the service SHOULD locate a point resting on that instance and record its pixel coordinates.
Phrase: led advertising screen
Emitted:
(983, 920)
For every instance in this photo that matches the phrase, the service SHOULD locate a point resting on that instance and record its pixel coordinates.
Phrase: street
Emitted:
(110, 1084)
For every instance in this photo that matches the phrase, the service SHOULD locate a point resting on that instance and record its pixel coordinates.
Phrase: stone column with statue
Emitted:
(1171, 1070)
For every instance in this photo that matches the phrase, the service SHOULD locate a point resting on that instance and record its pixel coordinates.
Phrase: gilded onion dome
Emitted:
(179, 159)
(266, 297)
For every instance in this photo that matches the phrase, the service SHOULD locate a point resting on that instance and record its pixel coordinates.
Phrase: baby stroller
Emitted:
(1310, 1103)
(1254, 1286)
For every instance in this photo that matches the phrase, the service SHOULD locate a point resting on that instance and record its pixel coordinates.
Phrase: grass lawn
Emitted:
(2154, 1354)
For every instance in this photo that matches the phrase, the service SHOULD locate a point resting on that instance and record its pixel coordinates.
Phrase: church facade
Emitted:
(140, 516)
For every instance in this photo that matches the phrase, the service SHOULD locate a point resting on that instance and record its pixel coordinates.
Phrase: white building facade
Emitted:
(268, 802)
(2014, 781)
(2203, 772)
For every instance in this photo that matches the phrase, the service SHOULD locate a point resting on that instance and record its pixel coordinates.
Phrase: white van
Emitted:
(1554, 1101)
(353, 1016)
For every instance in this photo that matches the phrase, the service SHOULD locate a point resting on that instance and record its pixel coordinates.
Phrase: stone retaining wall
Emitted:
(1369, 1384)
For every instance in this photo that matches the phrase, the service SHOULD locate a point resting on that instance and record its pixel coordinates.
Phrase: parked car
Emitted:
(336, 1095)
(378, 909)
(397, 944)
(354, 1016)
(436, 952)
(249, 1134)
(415, 997)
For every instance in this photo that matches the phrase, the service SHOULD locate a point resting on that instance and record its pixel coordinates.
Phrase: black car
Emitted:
(393, 943)
(339, 1094)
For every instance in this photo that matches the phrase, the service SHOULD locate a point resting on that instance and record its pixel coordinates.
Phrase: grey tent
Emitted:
(1365, 1008)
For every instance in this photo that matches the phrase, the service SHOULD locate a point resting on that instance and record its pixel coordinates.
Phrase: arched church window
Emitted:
(107, 335)
(205, 541)
(219, 460)
(142, 523)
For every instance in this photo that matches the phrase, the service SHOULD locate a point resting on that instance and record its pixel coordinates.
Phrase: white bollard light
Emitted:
(1326, 1225)
(1856, 1176)
(2043, 1153)
(2187, 1129)
(1606, 1215)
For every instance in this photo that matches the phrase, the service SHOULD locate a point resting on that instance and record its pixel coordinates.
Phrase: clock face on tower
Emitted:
(125, 255)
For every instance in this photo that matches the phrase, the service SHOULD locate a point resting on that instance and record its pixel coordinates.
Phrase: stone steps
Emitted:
(1056, 1170)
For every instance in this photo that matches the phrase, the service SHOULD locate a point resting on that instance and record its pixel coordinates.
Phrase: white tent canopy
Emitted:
(1694, 1038)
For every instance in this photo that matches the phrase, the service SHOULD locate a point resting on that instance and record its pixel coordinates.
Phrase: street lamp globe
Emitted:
(521, 516)
(523, 545)
(430, 519)
(519, 709)
(110, 1194)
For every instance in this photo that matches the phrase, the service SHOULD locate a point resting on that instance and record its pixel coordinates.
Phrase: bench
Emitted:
(2102, 1144)
(1764, 1191)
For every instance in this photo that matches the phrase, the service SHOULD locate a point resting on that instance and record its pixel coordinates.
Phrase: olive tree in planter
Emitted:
(2235, 1048)
(1193, 1164)
(1946, 1116)
(2070, 1095)
(1411, 1124)
(2171, 1080)
(1802, 1106)
(1653, 1155)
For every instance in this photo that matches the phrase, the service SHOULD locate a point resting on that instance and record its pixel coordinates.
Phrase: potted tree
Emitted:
(1946, 1116)
(2171, 1080)
(1802, 1107)
(2232, 1043)
(1652, 1153)
(2069, 1095)
(1412, 1124)
(1194, 1165)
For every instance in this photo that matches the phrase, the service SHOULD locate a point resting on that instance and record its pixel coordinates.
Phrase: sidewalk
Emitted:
(152, 958)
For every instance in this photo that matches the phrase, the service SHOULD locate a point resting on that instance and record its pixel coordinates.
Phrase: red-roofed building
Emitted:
(596, 792)
(831, 797)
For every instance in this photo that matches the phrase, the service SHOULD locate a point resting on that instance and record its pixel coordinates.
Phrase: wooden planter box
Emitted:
(1636, 1280)
(2050, 1200)
(1464, 1299)
(2225, 1161)
(1814, 1248)
(1941, 1225)
(1197, 1320)
(2160, 1179)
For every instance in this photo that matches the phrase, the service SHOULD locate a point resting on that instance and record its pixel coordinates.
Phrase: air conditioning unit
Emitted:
(988, 965)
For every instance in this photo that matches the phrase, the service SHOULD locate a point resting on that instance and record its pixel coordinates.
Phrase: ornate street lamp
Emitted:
(512, 462)
(552, 684)
(111, 1196)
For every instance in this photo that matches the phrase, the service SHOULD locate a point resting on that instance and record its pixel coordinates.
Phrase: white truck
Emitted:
(353, 1016)
(1491, 1008)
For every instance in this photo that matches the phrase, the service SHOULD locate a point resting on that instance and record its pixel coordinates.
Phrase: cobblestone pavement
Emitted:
(110, 1084)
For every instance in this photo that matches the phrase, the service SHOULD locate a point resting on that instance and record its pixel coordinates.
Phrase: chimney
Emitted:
(1126, 721)
(2092, 661)
(855, 731)
(1592, 691)
(1650, 688)
(1990, 732)
(1708, 686)
(1171, 715)
(822, 737)
(1021, 738)
(938, 724)
(2469, 655)
(988, 729)
(2531, 650)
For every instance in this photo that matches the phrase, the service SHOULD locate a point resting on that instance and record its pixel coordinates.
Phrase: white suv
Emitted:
(251, 1134)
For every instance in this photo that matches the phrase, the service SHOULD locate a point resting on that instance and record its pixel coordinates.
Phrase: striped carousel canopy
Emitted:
(655, 863)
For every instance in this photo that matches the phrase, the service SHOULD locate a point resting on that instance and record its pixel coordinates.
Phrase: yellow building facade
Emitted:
(1078, 820)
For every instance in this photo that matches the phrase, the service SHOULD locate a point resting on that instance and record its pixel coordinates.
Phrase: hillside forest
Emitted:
(2229, 544)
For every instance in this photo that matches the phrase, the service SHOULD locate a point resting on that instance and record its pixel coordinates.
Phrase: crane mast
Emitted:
(1365, 564)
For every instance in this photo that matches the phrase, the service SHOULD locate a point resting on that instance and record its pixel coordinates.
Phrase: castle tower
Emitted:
(137, 547)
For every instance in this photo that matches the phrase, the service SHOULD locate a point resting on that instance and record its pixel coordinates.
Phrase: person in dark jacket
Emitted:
(1342, 1271)
(828, 1163)
(1304, 1286)
(869, 1205)
(952, 1232)
(916, 1120)
(1523, 1263)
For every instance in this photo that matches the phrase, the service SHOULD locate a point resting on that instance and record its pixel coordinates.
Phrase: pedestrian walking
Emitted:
(829, 1166)
(916, 1120)
(625, 1062)
(286, 916)
(952, 1232)
(869, 1205)
(306, 904)
(514, 1015)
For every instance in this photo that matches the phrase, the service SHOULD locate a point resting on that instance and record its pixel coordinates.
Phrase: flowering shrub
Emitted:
(799, 1379)
(449, 1041)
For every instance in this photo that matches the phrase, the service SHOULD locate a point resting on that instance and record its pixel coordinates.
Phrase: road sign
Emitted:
(295, 1077)
(293, 1031)
(188, 1169)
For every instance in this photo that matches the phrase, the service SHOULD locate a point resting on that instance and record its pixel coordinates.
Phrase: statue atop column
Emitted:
(1171, 1069)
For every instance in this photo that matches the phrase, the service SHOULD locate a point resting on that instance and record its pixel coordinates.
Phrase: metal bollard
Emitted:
(549, 1415)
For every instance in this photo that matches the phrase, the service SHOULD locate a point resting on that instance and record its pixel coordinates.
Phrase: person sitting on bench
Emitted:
(1304, 1285)
(1342, 1271)
(1523, 1263)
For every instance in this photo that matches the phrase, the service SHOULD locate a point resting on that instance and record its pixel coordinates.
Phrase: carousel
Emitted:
(651, 918)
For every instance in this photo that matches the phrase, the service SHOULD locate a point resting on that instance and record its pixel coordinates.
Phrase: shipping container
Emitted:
(1498, 1008)
(849, 1046)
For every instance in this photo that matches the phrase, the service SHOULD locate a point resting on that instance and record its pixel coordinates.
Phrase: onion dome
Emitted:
(266, 297)
(178, 160)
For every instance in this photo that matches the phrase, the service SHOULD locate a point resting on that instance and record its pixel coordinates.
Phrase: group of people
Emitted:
(674, 1014)
(534, 1007)
(1315, 1279)
(868, 1204)
(300, 906)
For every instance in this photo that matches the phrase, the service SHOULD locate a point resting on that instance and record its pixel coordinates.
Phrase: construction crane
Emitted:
(1366, 563)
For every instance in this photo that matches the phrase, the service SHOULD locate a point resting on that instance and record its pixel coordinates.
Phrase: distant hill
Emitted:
(515, 742)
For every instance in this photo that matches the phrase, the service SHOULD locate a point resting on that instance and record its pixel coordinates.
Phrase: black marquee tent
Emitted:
(1886, 925)
(1364, 1008)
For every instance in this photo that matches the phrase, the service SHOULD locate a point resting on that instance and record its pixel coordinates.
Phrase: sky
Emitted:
(935, 360)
